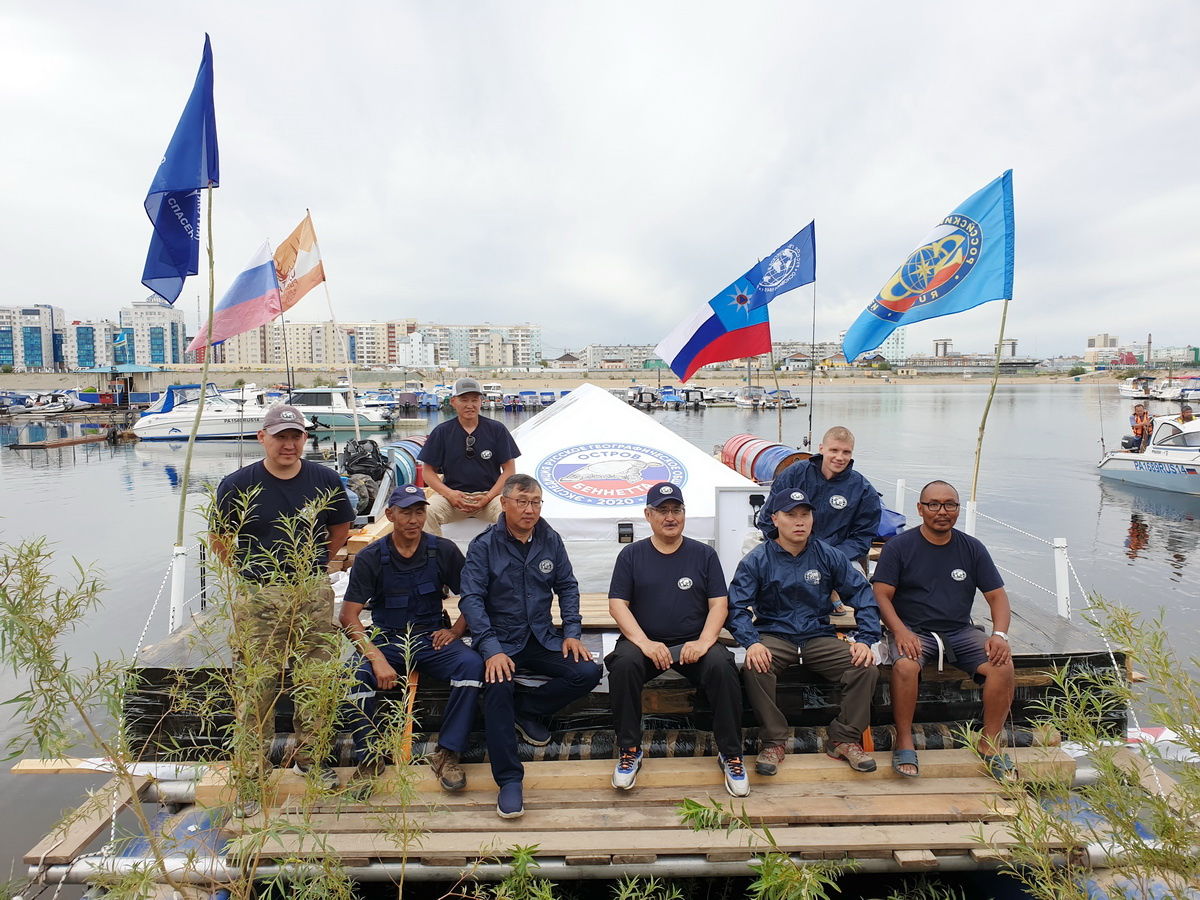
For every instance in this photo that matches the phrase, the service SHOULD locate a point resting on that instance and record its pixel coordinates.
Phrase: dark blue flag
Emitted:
(791, 266)
(173, 201)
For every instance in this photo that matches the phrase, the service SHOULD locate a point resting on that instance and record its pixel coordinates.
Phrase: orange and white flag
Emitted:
(298, 264)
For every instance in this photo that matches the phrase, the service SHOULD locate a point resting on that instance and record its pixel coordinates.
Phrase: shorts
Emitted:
(963, 648)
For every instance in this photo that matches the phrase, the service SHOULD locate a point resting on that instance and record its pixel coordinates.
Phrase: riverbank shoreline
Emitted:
(228, 376)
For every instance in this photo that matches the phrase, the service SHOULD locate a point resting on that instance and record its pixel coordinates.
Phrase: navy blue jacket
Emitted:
(846, 507)
(791, 594)
(506, 595)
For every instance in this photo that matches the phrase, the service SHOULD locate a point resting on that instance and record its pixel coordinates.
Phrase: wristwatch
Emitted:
(1000, 634)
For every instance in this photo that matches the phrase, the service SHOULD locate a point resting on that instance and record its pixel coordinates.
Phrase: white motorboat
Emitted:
(335, 409)
(1170, 462)
(171, 417)
(752, 397)
(1137, 388)
(493, 395)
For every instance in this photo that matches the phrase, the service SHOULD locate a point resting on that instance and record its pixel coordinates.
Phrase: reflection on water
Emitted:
(1164, 528)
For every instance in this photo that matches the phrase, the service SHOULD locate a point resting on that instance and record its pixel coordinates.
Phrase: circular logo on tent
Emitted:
(608, 474)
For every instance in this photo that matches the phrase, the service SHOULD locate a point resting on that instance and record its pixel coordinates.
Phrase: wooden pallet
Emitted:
(815, 808)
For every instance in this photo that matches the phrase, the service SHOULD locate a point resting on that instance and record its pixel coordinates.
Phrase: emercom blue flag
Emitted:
(965, 261)
(173, 201)
(791, 266)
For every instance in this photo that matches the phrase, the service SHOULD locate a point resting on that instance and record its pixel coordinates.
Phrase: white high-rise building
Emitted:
(31, 337)
(153, 333)
(89, 344)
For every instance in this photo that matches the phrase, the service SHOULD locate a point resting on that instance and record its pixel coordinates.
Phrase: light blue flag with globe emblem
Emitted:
(965, 261)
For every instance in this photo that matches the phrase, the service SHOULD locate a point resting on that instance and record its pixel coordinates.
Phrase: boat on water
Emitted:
(335, 409)
(493, 395)
(1139, 387)
(1170, 462)
(752, 397)
(171, 417)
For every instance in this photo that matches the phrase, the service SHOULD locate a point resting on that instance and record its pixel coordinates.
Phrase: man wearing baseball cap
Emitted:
(402, 579)
(789, 581)
(669, 599)
(277, 521)
(465, 461)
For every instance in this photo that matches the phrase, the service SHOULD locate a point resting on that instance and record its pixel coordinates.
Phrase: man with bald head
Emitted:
(925, 584)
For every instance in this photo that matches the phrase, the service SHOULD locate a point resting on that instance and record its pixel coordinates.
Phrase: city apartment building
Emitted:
(152, 333)
(31, 337)
(89, 344)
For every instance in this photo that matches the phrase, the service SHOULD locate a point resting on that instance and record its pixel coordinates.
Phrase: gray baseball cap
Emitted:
(466, 386)
(284, 418)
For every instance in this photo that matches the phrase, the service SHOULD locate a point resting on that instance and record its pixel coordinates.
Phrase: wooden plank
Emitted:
(986, 856)
(63, 845)
(853, 841)
(594, 859)
(915, 859)
(634, 859)
(691, 775)
(1153, 779)
(763, 807)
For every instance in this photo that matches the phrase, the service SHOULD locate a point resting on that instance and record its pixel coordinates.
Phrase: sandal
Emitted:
(840, 609)
(906, 758)
(1001, 767)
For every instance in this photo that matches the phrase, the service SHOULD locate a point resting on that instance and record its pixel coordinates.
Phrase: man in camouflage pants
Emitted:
(279, 519)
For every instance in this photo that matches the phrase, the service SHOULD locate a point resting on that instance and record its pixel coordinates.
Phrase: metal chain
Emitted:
(980, 515)
(1026, 580)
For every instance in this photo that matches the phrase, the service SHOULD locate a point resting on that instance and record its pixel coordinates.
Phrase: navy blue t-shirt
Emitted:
(668, 593)
(446, 451)
(936, 583)
(261, 531)
(366, 579)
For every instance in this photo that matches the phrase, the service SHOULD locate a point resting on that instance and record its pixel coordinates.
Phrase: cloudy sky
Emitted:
(605, 168)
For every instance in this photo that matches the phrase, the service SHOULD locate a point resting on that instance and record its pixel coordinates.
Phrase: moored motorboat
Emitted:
(171, 417)
(335, 408)
(1170, 462)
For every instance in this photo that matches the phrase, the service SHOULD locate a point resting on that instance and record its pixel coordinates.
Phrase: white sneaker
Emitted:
(625, 774)
(736, 781)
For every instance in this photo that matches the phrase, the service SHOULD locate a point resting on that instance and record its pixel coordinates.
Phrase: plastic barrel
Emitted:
(408, 469)
(772, 461)
(743, 462)
(731, 446)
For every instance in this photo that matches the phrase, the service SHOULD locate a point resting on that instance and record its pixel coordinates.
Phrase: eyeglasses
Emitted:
(667, 510)
(938, 505)
(521, 503)
(470, 446)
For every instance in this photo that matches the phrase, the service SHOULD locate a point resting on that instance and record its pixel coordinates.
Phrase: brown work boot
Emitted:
(769, 760)
(449, 773)
(853, 754)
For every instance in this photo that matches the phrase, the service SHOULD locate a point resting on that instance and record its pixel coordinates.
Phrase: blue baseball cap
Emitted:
(662, 492)
(406, 495)
(786, 500)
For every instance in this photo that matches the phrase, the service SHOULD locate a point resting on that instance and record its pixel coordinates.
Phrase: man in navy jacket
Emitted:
(513, 571)
(788, 582)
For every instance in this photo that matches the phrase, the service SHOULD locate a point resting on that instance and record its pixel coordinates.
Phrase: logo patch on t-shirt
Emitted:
(684, 583)
(812, 576)
(546, 566)
(837, 501)
(486, 454)
(958, 575)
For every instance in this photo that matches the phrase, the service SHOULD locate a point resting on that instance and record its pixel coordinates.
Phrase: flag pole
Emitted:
(341, 339)
(179, 553)
(778, 391)
(988, 405)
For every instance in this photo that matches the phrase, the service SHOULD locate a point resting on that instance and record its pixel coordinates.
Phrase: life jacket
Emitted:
(1141, 423)
(410, 597)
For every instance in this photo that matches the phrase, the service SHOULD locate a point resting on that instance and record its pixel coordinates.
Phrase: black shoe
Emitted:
(533, 731)
(510, 803)
(323, 773)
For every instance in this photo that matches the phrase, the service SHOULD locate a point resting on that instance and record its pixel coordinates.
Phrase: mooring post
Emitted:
(1062, 580)
(899, 507)
(178, 575)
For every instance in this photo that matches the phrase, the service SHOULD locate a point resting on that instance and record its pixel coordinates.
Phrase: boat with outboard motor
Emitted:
(1170, 462)
(335, 409)
(171, 417)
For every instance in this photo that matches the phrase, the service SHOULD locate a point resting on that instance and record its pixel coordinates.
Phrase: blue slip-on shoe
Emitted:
(533, 731)
(510, 803)
(625, 773)
(736, 781)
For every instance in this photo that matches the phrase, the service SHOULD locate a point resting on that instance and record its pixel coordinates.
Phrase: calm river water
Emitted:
(116, 507)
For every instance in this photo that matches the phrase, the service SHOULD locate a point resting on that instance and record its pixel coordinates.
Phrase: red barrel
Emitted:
(743, 462)
(731, 447)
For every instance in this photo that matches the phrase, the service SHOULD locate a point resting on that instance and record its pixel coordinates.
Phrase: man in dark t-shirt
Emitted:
(925, 584)
(277, 521)
(465, 462)
(669, 599)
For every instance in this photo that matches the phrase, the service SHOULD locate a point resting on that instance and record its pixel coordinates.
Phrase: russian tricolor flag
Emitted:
(252, 300)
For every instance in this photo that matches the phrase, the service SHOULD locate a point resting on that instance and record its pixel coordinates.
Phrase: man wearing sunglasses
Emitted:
(465, 462)
(925, 584)
(513, 572)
